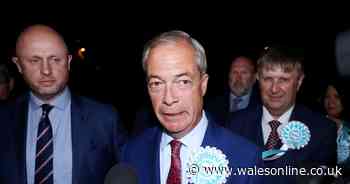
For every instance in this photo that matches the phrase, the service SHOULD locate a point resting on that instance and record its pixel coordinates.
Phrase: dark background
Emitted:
(114, 38)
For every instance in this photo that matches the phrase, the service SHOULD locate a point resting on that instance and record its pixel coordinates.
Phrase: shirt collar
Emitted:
(193, 139)
(244, 97)
(340, 129)
(60, 101)
(284, 119)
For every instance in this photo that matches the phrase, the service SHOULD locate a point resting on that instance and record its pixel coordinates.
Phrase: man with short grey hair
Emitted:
(242, 92)
(175, 67)
(304, 137)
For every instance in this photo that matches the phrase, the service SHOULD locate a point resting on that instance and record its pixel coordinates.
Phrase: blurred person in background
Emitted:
(6, 83)
(334, 104)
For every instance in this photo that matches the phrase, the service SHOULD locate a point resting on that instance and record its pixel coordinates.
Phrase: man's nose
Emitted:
(46, 68)
(275, 87)
(170, 96)
(238, 77)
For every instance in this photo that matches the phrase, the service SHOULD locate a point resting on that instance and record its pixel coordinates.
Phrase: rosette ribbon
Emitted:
(295, 135)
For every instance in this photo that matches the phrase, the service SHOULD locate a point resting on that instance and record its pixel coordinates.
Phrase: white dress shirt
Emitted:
(191, 141)
(267, 117)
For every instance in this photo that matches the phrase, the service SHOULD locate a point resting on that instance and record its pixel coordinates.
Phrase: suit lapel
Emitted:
(226, 104)
(295, 116)
(209, 136)
(20, 118)
(155, 159)
(291, 156)
(77, 123)
(259, 139)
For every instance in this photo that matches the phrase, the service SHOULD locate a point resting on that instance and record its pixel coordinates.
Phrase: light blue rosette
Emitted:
(295, 135)
(208, 166)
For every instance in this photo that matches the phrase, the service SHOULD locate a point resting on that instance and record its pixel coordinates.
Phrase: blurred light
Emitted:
(81, 53)
(82, 49)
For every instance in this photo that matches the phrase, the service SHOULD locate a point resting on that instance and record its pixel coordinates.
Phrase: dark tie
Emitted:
(273, 140)
(44, 149)
(174, 176)
(235, 103)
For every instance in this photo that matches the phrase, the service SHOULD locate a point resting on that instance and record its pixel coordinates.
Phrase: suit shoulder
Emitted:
(96, 106)
(230, 141)
(148, 135)
(91, 102)
(240, 151)
(315, 119)
(4, 108)
(243, 117)
(235, 140)
(142, 143)
(246, 113)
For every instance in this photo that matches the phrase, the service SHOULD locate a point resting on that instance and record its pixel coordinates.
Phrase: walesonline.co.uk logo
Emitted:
(209, 165)
(207, 170)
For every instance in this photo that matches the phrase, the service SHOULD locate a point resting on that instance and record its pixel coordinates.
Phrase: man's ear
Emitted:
(300, 81)
(255, 77)
(12, 84)
(16, 61)
(69, 61)
(204, 83)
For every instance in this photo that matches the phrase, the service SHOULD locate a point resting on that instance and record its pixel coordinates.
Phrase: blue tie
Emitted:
(235, 104)
(44, 149)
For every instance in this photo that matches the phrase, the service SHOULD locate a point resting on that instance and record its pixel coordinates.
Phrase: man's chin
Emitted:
(240, 93)
(47, 94)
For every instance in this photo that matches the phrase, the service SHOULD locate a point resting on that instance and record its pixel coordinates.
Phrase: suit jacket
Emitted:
(145, 118)
(219, 106)
(321, 149)
(95, 140)
(142, 153)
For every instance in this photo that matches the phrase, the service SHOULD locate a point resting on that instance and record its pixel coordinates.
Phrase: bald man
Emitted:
(49, 134)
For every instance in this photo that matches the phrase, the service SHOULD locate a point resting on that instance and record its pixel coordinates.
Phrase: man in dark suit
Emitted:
(7, 83)
(280, 74)
(51, 135)
(243, 91)
(175, 65)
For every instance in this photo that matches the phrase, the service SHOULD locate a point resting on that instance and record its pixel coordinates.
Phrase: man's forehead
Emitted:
(170, 75)
(278, 70)
(280, 67)
(242, 63)
(39, 36)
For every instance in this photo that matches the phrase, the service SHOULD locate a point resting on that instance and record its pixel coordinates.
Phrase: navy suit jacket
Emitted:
(219, 106)
(321, 149)
(145, 118)
(142, 153)
(95, 140)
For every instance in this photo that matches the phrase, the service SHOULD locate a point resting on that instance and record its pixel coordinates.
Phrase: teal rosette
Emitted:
(208, 166)
(295, 135)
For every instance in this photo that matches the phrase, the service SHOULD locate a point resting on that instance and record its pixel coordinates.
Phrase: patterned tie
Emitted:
(174, 176)
(44, 149)
(274, 140)
(235, 103)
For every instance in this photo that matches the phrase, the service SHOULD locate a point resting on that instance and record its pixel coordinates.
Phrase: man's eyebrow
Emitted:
(35, 57)
(39, 57)
(176, 76)
(53, 56)
(182, 74)
(153, 77)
